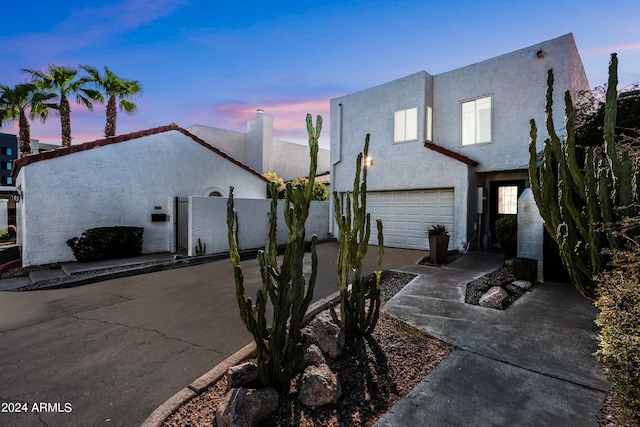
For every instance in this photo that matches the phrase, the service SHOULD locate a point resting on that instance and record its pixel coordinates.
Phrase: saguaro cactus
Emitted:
(576, 200)
(359, 296)
(279, 345)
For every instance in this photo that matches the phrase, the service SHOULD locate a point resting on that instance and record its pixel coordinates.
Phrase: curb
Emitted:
(171, 405)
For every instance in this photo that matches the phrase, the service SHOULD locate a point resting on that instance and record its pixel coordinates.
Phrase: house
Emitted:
(259, 150)
(131, 179)
(451, 148)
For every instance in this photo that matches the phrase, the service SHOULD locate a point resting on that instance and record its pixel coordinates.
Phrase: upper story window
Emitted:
(405, 125)
(7, 151)
(476, 121)
(7, 166)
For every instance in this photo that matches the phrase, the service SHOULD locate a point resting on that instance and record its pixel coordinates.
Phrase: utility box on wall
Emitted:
(159, 217)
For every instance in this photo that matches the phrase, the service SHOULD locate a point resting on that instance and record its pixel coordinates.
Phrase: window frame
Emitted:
(476, 133)
(404, 128)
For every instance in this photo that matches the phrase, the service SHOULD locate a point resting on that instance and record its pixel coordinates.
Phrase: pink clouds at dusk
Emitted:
(212, 63)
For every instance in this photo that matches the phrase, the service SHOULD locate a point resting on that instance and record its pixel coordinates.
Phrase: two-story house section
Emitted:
(451, 148)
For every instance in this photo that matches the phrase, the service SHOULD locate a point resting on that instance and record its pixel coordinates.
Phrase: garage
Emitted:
(406, 215)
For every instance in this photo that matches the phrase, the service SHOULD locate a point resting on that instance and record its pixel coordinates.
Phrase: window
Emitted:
(7, 166)
(7, 180)
(429, 124)
(476, 121)
(7, 151)
(405, 125)
(508, 199)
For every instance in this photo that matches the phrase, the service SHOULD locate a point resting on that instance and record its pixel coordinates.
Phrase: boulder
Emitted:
(522, 284)
(318, 386)
(242, 407)
(329, 336)
(239, 375)
(313, 356)
(493, 298)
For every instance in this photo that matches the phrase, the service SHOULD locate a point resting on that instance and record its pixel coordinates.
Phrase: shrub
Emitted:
(619, 320)
(107, 243)
(320, 191)
(507, 232)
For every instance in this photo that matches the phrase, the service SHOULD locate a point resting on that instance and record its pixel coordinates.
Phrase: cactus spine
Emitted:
(279, 345)
(360, 302)
(576, 200)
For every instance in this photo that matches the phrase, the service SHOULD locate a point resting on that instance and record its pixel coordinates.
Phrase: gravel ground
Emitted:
(374, 373)
(502, 277)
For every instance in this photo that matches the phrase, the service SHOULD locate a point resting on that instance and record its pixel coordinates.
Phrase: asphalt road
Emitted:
(109, 353)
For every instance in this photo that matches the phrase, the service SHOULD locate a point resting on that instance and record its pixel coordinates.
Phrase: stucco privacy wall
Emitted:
(208, 222)
(119, 184)
(530, 231)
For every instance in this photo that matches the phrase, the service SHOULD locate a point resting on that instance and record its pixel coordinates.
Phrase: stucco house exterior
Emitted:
(131, 179)
(451, 148)
(260, 151)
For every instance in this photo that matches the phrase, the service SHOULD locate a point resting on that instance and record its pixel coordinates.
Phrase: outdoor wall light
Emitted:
(16, 196)
(368, 161)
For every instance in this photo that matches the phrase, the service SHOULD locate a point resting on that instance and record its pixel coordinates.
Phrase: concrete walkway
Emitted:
(530, 365)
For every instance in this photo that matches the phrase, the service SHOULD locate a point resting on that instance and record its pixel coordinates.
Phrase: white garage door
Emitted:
(406, 215)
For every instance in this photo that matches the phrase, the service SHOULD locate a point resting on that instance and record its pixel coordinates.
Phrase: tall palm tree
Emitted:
(63, 82)
(117, 91)
(14, 103)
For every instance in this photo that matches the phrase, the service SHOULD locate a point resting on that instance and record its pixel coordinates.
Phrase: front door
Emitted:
(503, 201)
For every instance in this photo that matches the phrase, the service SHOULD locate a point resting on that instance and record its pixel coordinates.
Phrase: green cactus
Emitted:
(359, 302)
(201, 248)
(279, 345)
(576, 200)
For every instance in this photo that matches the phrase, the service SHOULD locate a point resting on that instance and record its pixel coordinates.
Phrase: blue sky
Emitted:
(215, 63)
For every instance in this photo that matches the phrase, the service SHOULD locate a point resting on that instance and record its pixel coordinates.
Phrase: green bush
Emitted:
(320, 191)
(107, 243)
(507, 233)
(619, 320)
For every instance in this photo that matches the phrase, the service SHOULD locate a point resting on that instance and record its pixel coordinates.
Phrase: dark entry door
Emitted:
(503, 201)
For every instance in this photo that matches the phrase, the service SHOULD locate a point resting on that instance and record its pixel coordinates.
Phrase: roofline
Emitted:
(64, 151)
(456, 156)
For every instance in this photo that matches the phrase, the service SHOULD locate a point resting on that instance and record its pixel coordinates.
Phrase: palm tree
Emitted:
(117, 91)
(14, 103)
(62, 81)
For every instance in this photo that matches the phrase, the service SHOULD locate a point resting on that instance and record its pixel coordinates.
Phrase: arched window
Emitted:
(215, 194)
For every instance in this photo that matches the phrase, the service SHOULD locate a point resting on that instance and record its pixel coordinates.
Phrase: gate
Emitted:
(181, 223)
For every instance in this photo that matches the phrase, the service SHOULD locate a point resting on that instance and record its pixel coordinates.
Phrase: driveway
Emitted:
(109, 353)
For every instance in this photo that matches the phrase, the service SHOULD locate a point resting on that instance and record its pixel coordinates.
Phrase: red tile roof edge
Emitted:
(63, 151)
(456, 156)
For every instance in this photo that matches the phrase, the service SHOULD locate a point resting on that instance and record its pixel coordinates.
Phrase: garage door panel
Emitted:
(406, 215)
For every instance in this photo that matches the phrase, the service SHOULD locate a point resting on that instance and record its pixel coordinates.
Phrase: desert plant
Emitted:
(438, 230)
(279, 345)
(506, 229)
(359, 296)
(573, 198)
(320, 191)
(619, 320)
(201, 248)
(107, 243)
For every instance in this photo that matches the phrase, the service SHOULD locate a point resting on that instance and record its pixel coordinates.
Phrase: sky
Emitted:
(215, 63)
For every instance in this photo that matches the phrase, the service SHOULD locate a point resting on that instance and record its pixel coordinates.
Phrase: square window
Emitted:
(405, 125)
(476, 121)
(508, 200)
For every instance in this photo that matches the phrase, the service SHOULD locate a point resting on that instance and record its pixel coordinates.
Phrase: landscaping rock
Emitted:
(239, 375)
(523, 284)
(329, 336)
(313, 356)
(493, 298)
(242, 407)
(318, 386)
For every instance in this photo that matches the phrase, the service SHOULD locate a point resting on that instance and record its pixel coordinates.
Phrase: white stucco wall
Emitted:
(530, 231)
(119, 184)
(516, 83)
(4, 215)
(258, 149)
(208, 222)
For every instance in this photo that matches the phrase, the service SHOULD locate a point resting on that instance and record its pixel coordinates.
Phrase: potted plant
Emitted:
(506, 229)
(438, 243)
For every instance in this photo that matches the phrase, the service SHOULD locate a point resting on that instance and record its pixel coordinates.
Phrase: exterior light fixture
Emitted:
(16, 196)
(368, 161)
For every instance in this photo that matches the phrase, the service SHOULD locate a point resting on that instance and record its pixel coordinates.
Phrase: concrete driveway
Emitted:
(109, 353)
